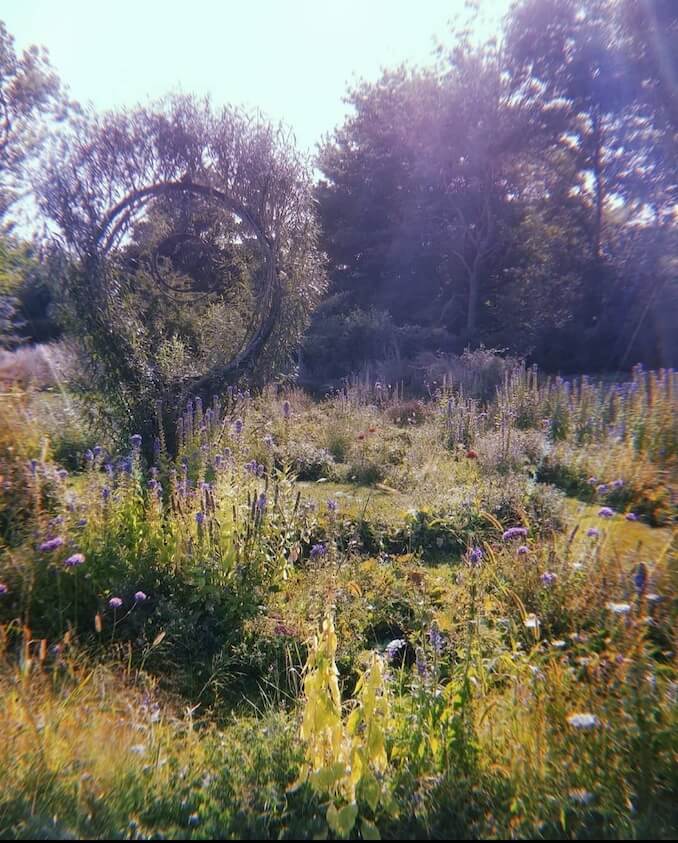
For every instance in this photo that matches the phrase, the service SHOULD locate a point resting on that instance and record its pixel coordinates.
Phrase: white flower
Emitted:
(619, 608)
(583, 721)
(559, 644)
(532, 622)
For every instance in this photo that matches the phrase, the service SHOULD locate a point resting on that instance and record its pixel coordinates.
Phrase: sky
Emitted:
(293, 59)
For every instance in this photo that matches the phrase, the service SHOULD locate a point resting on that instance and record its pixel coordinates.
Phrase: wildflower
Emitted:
(140, 597)
(592, 481)
(653, 599)
(89, 455)
(153, 484)
(268, 440)
(619, 608)
(62, 474)
(436, 638)
(558, 644)
(601, 488)
(577, 566)
(394, 647)
(631, 516)
(200, 518)
(372, 429)
(605, 512)
(97, 450)
(618, 484)
(237, 427)
(331, 505)
(262, 502)
(286, 409)
(548, 578)
(593, 532)
(105, 493)
(422, 667)
(261, 469)
(115, 602)
(3, 589)
(475, 556)
(51, 544)
(33, 466)
(640, 577)
(532, 622)
(318, 551)
(471, 454)
(218, 460)
(583, 720)
(514, 533)
(523, 550)
(360, 437)
(75, 560)
(135, 441)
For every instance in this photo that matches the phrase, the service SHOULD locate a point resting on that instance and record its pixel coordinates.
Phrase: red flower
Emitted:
(471, 454)
(360, 437)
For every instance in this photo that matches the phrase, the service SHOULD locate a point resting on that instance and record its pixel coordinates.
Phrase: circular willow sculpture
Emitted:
(174, 210)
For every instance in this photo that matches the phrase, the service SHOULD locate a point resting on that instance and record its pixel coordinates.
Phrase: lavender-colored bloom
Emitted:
(601, 488)
(523, 550)
(200, 518)
(82, 522)
(548, 578)
(218, 459)
(260, 470)
(640, 577)
(62, 474)
(108, 468)
(268, 440)
(318, 551)
(475, 556)
(237, 427)
(115, 603)
(105, 493)
(514, 533)
(262, 502)
(75, 560)
(436, 638)
(592, 481)
(33, 466)
(140, 597)
(593, 532)
(605, 512)
(3, 589)
(135, 441)
(51, 544)
(394, 647)
(631, 516)
(618, 484)
(332, 505)
(153, 484)
(89, 455)
(97, 450)
(422, 667)
(126, 465)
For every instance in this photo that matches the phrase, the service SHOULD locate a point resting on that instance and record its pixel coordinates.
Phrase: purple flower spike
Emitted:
(51, 544)
(115, 603)
(514, 533)
(237, 427)
(318, 551)
(640, 577)
(475, 556)
(75, 560)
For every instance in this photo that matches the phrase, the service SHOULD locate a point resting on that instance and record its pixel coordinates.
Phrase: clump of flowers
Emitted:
(318, 551)
(51, 544)
(475, 557)
(548, 578)
(394, 647)
(75, 560)
(514, 533)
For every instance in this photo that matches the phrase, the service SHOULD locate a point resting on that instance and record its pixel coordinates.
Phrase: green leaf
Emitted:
(342, 822)
(369, 830)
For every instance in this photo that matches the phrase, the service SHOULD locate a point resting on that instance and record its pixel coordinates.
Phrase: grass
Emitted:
(356, 654)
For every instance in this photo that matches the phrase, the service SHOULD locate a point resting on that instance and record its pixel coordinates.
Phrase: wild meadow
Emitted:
(360, 616)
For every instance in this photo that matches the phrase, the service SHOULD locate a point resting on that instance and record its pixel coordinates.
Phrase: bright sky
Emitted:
(291, 58)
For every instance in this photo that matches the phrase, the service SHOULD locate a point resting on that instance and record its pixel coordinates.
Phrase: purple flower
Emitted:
(62, 474)
(115, 602)
(318, 551)
(422, 667)
(3, 589)
(105, 493)
(135, 441)
(237, 427)
(593, 532)
(82, 522)
(286, 409)
(640, 577)
(200, 518)
(97, 450)
(268, 440)
(605, 512)
(332, 505)
(75, 560)
(548, 578)
(523, 550)
(631, 516)
(475, 556)
(34, 466)
(89, 455)
(436, 638)
(601, 488)
(592, 481)
(139, 597)
(514, 533)
(218, 459)
(51, 544)
(262, 502)
(394, 647)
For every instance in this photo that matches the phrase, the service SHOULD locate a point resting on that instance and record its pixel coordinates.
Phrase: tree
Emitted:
(173, 207)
